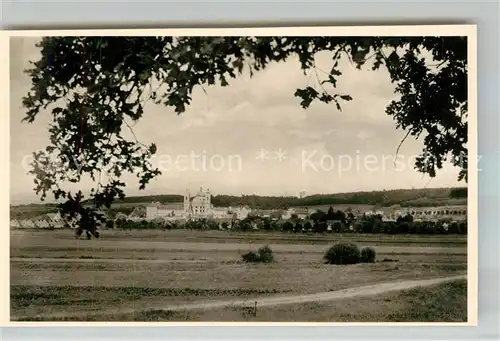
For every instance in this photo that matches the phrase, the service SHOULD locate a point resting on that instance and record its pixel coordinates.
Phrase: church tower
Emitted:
(209, 199)
(187, 202)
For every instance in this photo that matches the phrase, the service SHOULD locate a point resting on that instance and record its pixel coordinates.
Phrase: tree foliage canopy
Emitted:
(96, 87)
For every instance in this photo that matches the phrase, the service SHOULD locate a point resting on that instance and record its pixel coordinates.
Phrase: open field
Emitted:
(257, 237)
(440, 302)
(52, 273)
(438, 298)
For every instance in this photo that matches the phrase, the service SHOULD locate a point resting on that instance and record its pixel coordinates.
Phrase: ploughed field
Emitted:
(54, 274)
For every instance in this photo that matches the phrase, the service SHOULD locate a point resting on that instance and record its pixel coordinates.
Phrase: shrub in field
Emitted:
(263, 255)
(266, 254)
(342, 253)
(368, 255)
(250, 257)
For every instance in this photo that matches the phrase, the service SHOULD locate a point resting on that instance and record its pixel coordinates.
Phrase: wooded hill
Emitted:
(403, 197)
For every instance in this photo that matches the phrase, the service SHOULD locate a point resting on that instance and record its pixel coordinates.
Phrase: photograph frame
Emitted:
(482, 174)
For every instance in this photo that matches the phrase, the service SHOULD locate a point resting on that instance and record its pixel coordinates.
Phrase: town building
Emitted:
(241, 212)
(453, 213)
(263, 213)
(288, 213)
(302, 212)
(197, 206)
(221, 213)
(27, 224)
(41, 222)
(156, 209)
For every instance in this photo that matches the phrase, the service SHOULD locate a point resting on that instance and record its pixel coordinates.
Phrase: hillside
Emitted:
(403, 197)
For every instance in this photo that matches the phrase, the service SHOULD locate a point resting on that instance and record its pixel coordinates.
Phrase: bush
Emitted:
(263, 255)
(368, 255)
(250, 257)
(343, 253)
(266, 254)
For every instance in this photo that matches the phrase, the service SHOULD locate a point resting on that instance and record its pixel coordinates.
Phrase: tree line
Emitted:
(333, 221)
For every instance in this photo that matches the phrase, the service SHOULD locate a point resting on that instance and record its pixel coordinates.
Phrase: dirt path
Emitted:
(370, 290)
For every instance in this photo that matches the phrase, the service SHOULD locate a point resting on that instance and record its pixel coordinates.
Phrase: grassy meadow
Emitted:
(125, 273)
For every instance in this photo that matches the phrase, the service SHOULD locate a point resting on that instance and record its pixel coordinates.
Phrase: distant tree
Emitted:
(358, 227)
(339, 215)
(298, 227)
(454, 228)
(337, 227)
(375, 224)
(266, 224)
(431, 228)
(350, 218)
(320, 227)
(110, 224)
(120, 223)
(408, 218)
(308, 226)
(458, 192)
(318, 216)
(462, 227)
(274, 225)
(244, 225)
(402, 227)
(160, 222)
(330, 215)
(211, 225)
(287, 226)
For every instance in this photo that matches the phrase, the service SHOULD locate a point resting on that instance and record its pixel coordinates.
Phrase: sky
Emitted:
(254, 136)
